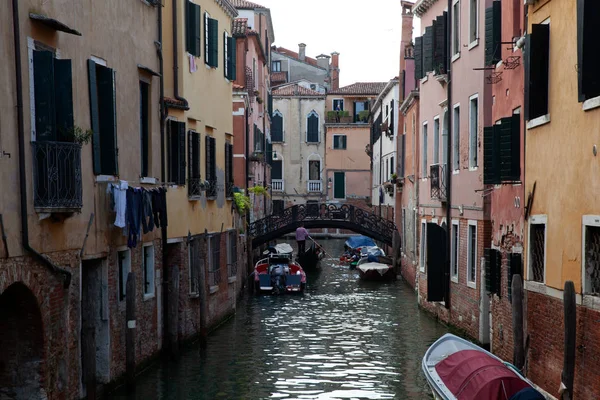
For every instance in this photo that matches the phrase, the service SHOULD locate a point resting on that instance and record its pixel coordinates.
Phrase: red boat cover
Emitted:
(472, 374)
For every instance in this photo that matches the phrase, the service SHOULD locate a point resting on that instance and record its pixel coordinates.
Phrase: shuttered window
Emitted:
(502, 151)
(312, 127)
(228, 170)
(103, 111)
(428, 50)
(259, 140)
(176, 151)
(493, 271)
(277, 127)
(493, 29)
(440, 44)
(193, 163)
(53, 94)
(537, 58)
(211, 166)
(277, 169)
(418, 54)
(192, 28)
(229, 57)
(588, 48)
(211, 41)
(339, 142)
(491, 161)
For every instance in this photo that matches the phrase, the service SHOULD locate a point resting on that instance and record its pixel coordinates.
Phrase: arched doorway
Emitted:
(21, 344)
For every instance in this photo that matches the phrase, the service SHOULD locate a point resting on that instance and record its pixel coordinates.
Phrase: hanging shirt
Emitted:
(120, 200)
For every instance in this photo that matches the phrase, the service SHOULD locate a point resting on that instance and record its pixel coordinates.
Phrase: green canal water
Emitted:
(342, 339)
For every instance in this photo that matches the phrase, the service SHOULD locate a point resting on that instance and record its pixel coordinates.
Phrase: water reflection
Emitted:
(342, 339)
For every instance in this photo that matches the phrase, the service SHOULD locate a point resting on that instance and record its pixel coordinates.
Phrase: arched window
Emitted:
(277, 126)
(312, 127)
(314, 170)
(277, 174)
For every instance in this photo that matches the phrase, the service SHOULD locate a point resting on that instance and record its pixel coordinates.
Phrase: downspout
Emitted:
(380, 161)
(22, 175)
(175, 58)
(449, 150)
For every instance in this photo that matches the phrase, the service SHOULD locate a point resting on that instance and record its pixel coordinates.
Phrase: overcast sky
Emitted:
(365, 33)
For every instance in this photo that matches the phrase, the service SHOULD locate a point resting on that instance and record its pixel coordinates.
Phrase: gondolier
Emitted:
(301, 235)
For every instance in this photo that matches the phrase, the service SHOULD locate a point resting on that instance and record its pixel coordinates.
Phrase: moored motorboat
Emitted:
(458, 369)
(278, 273)
(375, 271)
(353, 247)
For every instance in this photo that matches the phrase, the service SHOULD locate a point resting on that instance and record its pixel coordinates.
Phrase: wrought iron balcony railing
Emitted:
(57, 176)
(437, 174)
(211, 188)
(315, 186)
(195, 187)
(277, 185)
(342, 119)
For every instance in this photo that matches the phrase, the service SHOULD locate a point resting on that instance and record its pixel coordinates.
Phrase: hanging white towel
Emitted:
(120, 193)
(193, 67)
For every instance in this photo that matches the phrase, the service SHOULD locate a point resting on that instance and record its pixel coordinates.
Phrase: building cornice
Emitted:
(228, 8)
(412, 96)
(384, 93)
(421, 7)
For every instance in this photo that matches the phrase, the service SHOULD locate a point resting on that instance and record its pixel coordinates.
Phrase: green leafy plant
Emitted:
(242, 202)
(259, 190)
(78, 135)
(394, 176)
(363, 116)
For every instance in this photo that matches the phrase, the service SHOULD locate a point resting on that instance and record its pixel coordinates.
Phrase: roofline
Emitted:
(297, 59)
(422, 6)
(384, 93)
(228, 8)
(412, 96)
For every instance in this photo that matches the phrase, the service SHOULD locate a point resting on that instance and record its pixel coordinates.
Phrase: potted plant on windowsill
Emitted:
(394, 178)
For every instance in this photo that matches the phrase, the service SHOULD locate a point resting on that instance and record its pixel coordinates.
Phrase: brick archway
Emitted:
(21, 343)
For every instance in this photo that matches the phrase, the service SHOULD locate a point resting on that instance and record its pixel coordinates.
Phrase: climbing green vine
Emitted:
(242, 202)
(259, 190)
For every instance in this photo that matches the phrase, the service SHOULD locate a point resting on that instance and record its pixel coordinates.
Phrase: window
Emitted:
(144, 126)
(312, 127)
(214, 253)
(440, 44)
(456, 27)
(588, 48)
(276, 66)
(428, 50)
(455, 238)
(339, 142)
(424, 153)
(493, 33)
(502, 151)
(277, 126)
(195, 263)
(124, 261)
(537, 248)
(229, 57)
(338, 104)
(104, 118)
(277, 169)
(194, 180)
(148, 268)
(278, 207)
(436, 140)
(537, 63)
(423, 249)
(473, 21)
(591, 255)
(259, 140)
(456, 138)
(445, 138)
(228, 170)
(339, 185)
(392, 165)
(361, 111)
(232, 256)
(387, 169)
(211, 166)
(472, 254)
(176, 151)
(192, 29)
(211, 41)
(473, 128)
(314, 170)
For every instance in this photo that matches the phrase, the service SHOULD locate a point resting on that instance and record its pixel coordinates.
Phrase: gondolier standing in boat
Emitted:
(301, 235)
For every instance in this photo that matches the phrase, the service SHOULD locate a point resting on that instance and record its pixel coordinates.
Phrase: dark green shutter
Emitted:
(229, 164)
(313, 129)
(107, 118)
(232, 58)
(588, 49)
(344, 142)
(213, 42)
(510, 156)
(213, 153)
(63, 91)
(207, 157)
(181, 153)
(189, 27)
(537, 77)
(193, 155)
(43, 81)
(418, 53)
(493, 36)
(339, 185)
(173, 151)
(93, 88)
(226, 165)
(277, 128)
(428, 50)
(277, 170)
(391, 117)
(197, 30)
(440, 44)
(191, 159)
(336, 142)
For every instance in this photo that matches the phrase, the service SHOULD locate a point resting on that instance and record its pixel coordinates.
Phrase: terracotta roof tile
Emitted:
(239, 26)
(244, 4)
(295, 90)
(361, 88)
(293, 54)
(279, 77)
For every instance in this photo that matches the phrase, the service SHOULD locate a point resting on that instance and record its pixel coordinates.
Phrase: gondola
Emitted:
(309, 260)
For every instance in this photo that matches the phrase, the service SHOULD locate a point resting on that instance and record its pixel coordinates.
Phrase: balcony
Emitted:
(315, 186)
(437, 174)
(344, 117)
(57, 184)
(277, 185)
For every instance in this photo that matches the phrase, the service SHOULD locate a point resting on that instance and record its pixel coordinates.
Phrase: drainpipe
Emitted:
(175, 58)
(380, 164)
(22, 174)
(448, 167)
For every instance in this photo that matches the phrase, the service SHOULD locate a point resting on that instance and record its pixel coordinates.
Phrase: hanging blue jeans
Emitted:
(134, 215)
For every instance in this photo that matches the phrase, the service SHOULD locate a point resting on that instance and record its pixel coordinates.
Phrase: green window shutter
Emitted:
(197, 30)
(207, 157)
(173, 151)
(63, 92)
(440, 44)
(491, 155)
(418, 54)
(213, 153)
(43, 82)
(107, 117)
(510, 156)
(344, 142)
(428, 50)
(213, 42)
(312, 135)
(193, 155)
(539, 59)
(226, 59)
(181, 153)
(191, 159)
(233, 56)
(94, 114)
(229, 163)
(336, 142)
(339, 185)
(189, 27)
(493, 33)
(276, 128)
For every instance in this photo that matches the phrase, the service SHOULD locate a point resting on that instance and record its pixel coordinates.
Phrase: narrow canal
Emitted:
(342, 339)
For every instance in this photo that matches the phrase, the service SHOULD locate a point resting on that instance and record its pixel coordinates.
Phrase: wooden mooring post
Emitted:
(570, 317)
(203, 293)
(517, 320)
(174, 312)
(131, 330)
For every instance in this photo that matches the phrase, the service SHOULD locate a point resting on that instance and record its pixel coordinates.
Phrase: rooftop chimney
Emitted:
(323, 61)
(407, 30)
(334, 71)
(302, 51)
